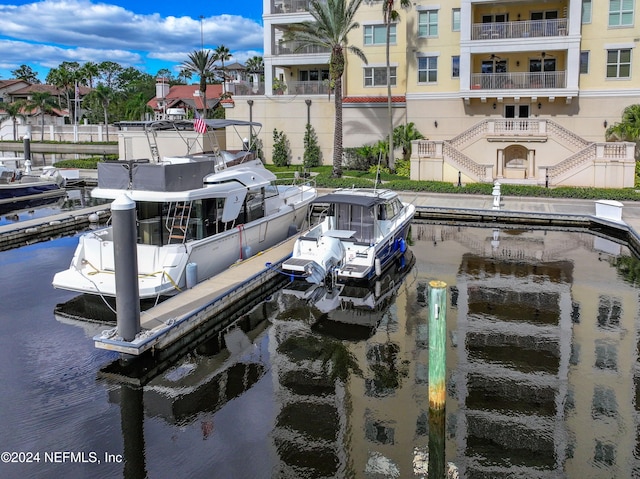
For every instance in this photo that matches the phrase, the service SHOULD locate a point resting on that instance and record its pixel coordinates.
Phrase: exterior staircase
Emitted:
(611, 162)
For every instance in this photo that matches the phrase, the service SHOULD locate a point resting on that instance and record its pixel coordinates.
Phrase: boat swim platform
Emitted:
(177, 317)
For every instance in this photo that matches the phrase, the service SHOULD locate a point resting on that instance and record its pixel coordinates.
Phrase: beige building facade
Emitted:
(510, 91)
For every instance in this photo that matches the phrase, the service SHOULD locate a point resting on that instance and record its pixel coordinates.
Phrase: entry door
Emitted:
(516, 111)
(516, 117)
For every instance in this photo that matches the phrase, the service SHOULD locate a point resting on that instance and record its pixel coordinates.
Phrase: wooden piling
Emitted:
(437, 372)
(437, 343)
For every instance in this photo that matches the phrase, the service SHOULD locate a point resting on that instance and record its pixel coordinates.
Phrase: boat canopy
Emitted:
(188, 124)
(341, 198)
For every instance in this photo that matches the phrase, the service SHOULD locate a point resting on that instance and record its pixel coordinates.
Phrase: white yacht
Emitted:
(196, 216)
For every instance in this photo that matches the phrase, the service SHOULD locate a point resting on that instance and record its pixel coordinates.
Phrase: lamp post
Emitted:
(308, 102)
(250, 103)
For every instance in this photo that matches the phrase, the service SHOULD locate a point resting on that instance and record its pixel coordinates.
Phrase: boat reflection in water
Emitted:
(542, 370)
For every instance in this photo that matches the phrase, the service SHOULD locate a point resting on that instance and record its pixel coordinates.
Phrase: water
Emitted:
(74, 199)
(542, 354)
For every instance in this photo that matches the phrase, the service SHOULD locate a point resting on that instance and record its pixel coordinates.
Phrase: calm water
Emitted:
(542, 361)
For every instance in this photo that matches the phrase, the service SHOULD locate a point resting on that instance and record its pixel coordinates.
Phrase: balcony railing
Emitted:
(518, 80)
(245, 88)
(291, 6)
(304, 88)
(291, 48)
(525, 29)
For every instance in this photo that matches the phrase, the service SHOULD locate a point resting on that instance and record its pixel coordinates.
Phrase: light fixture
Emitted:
(435, 123)
(517, 63)
(494, 106)
(539, 105)
(605, 124)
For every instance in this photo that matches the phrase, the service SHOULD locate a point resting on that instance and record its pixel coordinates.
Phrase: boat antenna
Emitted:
(375, 184)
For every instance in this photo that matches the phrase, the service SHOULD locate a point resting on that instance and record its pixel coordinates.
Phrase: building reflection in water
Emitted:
(542, 361)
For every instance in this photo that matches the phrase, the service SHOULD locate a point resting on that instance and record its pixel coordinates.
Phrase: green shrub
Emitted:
(281, 151)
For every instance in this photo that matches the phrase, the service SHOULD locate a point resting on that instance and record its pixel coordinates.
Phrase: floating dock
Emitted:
(223, 296)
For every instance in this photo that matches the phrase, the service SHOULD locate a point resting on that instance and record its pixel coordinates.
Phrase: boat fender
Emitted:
(378, 289)
(192, 275)
(378, 267)
(403, 245)
(293, 229)
(246, 251)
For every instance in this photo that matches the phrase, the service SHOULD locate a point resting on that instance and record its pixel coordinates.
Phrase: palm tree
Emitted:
(403, 135)
(43, 102)
(334, 20)
(185, 75)
(136, 107)
(628, 129)
(13, 111)
(201, 63)
(390, 16)
(222, 53)
(104, 95)
(88, 73)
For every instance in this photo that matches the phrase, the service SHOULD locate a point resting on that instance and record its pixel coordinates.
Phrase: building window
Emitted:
(584, 62)
(619, 63)
(606, 355)
(620, 13)
(455, 20)
(377, 35)
(428, 23)
(586, 11)
(377, 76)
(455, 67)
(427, 69)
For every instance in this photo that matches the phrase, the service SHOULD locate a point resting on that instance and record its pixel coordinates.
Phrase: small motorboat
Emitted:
(359, 234)
(21, 189)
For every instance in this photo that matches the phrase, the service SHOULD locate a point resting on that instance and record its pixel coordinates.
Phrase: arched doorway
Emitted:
(516, 162)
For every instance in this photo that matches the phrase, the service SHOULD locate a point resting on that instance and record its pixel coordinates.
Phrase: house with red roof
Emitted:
(180, 101)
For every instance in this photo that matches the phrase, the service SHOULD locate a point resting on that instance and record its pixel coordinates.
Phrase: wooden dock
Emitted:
(224, 296)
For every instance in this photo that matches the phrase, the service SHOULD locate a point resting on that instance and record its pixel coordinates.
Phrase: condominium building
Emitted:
(510, 91)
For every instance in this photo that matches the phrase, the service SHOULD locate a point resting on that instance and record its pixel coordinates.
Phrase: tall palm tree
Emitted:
(43, 102)
(13, 111)
(89, 71)
(201, 63)
(185, 75)
(222, 53)
(104, 95)
(334, 20)
(136, 107)
(390, 16)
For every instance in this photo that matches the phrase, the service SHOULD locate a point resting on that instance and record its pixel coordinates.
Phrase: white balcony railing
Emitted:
(303, 88)
(293, 48)
(525, 29)
(518, 80)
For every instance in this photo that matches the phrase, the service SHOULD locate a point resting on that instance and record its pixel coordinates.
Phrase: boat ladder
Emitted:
(153, 144)
(178, 220)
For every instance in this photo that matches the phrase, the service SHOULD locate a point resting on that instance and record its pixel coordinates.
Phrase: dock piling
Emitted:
(126, 267)
(437, 372)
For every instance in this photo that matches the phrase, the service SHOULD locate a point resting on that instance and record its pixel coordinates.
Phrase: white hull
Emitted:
(162, 269)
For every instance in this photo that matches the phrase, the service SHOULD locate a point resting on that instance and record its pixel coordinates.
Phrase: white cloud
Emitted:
(49, 32)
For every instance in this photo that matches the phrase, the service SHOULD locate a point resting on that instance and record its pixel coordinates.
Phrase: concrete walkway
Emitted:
(630, 209)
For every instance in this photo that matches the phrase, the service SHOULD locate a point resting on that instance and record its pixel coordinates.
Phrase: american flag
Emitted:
(199, 124)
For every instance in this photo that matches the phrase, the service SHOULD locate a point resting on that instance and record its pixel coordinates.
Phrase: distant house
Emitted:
(9, 86)
(58, 116)
(179, 101)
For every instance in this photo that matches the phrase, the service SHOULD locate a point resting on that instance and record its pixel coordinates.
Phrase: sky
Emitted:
(144, 34)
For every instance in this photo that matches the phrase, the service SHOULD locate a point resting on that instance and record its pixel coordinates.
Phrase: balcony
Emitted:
(291, 6)
(518, 80)
(291, 48)
(524, 29)
(245, 88)
(303, 88)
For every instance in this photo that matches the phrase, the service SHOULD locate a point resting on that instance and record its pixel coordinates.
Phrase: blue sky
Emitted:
(145, 34)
